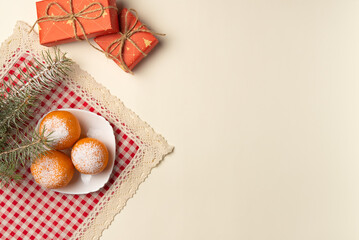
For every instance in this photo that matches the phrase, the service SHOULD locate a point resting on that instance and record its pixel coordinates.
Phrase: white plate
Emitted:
(94, 126)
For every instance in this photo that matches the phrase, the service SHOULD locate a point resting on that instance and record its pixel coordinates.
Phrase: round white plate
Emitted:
(94, 126)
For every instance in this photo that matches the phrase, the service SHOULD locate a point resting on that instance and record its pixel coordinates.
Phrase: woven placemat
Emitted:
(29, 211)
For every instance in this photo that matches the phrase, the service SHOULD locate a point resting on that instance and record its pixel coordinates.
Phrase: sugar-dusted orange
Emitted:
(89, 156)
(64, 128)
(54, 169)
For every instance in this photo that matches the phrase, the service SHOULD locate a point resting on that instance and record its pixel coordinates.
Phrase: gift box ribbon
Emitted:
(72, 16)
(125, 36)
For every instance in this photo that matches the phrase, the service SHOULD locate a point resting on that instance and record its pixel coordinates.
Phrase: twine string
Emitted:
(125, 36)
(72, 16)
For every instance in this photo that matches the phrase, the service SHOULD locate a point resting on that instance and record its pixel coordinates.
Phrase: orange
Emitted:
(53, 169)
(89, 156)
(64, 128)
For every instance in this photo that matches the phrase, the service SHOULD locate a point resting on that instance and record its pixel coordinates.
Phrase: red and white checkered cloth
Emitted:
(28, 211)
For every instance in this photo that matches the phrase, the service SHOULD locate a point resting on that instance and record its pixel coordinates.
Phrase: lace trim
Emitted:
(152, 146)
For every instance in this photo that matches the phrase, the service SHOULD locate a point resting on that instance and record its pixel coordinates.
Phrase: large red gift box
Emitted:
(131, 55)
(62, 21)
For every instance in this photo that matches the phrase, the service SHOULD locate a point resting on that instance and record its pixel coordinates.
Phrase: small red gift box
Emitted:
(132, 44)
(62, 21)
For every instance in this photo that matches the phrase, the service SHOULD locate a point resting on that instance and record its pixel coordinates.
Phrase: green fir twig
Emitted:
(16, 104)
(18, 155)
(35, 81)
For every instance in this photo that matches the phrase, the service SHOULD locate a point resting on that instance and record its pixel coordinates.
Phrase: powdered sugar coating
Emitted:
(89, 156)
(53, 170)
(58, 129)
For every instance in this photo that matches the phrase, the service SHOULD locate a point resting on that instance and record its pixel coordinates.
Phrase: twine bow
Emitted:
(73, 17)
(125, 36)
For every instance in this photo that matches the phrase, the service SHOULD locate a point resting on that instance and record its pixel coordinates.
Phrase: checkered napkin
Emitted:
(28, 211)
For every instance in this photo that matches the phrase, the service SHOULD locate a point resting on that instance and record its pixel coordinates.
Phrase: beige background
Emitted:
(259, 97)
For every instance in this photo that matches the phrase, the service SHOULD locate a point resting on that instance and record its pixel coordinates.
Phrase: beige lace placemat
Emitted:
(31, 212)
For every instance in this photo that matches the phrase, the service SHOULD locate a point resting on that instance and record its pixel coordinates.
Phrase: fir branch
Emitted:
(35, 147)
(8, 175)
(12, 158)
(15, 113)
(35, 81)
(16, 102)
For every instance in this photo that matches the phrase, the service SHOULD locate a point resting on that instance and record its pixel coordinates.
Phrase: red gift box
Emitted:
(128, 47)
(62, 21)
